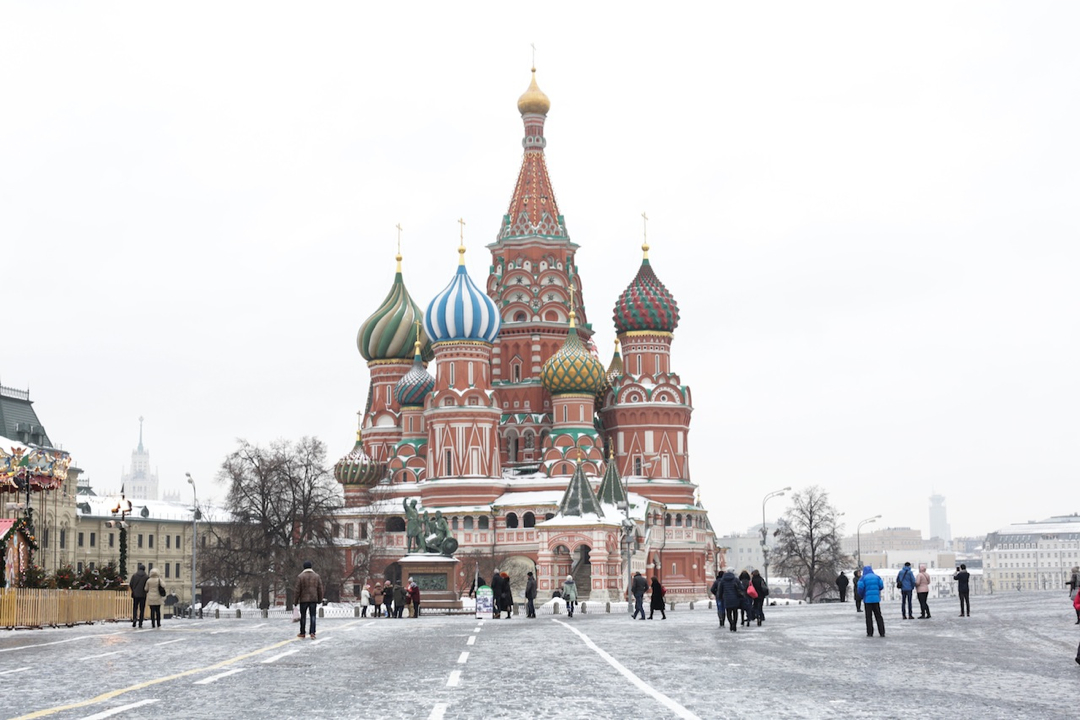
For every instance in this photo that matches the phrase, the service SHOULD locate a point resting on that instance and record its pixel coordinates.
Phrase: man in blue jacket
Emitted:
(906, 582)
(869, 589)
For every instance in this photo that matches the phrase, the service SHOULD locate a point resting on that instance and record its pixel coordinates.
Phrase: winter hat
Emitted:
(922, 567)
(307, 564)
(570, 578)
(907, 564)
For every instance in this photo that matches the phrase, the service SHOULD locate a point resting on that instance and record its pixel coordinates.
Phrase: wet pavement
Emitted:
(1012, 658)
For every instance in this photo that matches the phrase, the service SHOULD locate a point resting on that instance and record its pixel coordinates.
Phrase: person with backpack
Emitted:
(716, 592)
(137, 584)
(656, 602)
(869, 589)
(905, 582)
(733, 594)
(746, 609)
(758, 584)
(155, 593)
(569, 593)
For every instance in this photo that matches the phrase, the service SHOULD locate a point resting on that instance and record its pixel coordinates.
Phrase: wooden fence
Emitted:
(26, 608)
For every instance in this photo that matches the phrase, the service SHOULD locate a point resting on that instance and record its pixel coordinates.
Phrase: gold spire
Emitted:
(461, 249)
(645, 236)
(616, 344)
(416, 347)
(534, 101)
(572, 313)
(398, 226)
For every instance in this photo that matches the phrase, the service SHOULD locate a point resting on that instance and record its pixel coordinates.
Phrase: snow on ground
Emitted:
(1013, 658)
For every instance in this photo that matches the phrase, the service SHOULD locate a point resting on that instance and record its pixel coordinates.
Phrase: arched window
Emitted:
(511, 520)
(468, 523)
(483, 523)
(667, 520)
(528, 520)
(454, 523)
(520, 316)
(678, 520)
(395, 524)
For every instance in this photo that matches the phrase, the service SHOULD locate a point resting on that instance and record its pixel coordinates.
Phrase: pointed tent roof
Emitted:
(611, 487)
(579, 498)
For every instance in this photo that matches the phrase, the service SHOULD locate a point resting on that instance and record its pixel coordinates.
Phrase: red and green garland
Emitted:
(25, 525)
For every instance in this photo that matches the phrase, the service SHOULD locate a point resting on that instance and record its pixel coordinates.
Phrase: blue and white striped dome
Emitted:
(462, 312)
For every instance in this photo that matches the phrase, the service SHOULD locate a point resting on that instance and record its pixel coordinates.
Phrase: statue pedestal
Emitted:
(437, 577)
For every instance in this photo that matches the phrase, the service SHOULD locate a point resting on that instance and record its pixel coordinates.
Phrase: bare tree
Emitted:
(808, 549)
(282, 500)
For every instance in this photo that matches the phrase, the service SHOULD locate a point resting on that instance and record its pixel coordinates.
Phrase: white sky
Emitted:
(867, 213)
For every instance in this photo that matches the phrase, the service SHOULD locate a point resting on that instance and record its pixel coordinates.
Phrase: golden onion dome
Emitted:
(534, 100)
(573, 369)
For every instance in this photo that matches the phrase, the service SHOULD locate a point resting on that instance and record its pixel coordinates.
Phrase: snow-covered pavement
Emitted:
(1012, 658)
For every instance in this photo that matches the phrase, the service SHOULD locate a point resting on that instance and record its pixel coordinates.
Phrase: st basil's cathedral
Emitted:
(539, 457)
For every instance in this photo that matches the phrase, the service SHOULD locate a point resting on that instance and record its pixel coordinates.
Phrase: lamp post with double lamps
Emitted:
(858, 539)
(194, 536)
(123, 509)
(765, 530)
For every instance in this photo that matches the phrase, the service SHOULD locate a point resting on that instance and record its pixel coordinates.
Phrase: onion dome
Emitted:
(534, 100)
(462, 311)
(412, 389)
(357, 468)
(385, 335)
(615, 369)
(573, 369)
(646, 304)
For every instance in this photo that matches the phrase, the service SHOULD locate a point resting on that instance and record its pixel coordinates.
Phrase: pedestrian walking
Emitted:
(639, 587)
(414, 598)
(388, 598)
(841, 585)
(401, 598)
(569, 594)
(905, 582)
(507, 602)
(365, 600)
(1074, 585)
(733, 593)
(1076, 606)
(718, 593)
(530, 595)
(962, 578)
(137, 584)
(868, 589)
(155, 593)
(308, 593)
(855, 576)
(496, 594)
(761, 587)
(377, 600)
(747, 606)
(922, 588)
(656, 600)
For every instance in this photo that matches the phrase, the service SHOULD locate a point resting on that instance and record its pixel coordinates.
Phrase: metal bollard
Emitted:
(607, 608)
(356, 611)
(321, 613)
(217, 614)
(237, 613)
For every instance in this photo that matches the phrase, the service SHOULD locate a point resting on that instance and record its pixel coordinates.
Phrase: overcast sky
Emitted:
(867, 212)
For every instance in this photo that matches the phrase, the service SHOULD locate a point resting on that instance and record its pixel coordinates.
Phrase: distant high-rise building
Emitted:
(939, 524)
(139, 482)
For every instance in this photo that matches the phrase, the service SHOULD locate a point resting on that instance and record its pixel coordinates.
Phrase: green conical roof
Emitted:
(611, 487)
(579, 498)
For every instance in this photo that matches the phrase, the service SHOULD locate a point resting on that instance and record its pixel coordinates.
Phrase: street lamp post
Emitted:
(765, 530)
(123, 509)
(858, 539)
(194, 536)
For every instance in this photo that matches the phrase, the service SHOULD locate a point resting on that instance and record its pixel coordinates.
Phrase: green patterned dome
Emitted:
(573, 369)
(388, 333)
(357, 468)
(646, 305)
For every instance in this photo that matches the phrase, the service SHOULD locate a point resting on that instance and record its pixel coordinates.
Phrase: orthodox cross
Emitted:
(533, 46)
(399, 230)
(645, 228)
(461, 222)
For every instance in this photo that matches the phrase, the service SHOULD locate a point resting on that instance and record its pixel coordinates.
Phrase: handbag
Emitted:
(752, 591)
(899, 585)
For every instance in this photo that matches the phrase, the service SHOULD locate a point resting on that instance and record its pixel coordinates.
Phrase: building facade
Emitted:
(541, 457)
(139, 480)
(1033, 555)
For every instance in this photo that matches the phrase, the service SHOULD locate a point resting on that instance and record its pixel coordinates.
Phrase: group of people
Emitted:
(869, 587)
(393, 596)
(639, 587)
(741, 600)
(146, 590)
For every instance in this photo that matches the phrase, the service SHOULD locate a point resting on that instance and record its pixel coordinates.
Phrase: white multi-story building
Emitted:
(939, 523)
(1032, 555)
(140, 481)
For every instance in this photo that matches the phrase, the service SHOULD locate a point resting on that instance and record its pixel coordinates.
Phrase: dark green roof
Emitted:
(579, 498)
(611, 487)
(18, 421)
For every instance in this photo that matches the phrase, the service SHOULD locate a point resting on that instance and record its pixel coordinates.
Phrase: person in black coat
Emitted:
(507, 598)
(732, 592)
(496, 593)
(530, 596)
(855, 581)
(963, 589)
(759, 602)
(841, 585)
(656, 602)
(747, 608)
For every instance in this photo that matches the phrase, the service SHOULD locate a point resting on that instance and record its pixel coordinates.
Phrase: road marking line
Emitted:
(277, 657)
(316, 642)
(56, 642)
(455, 679)
(149, 683)
(218, 632)
(94, 657)
(215, 678)
(471, 640)
(670, 704)
(12, 672)
(169, 642)
(438, 711)
(118, 710)
(476, 630)
(256, 626)
(463, 658)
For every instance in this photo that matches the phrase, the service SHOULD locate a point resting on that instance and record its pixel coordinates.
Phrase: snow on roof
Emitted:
(529, 497)
(578, 520)
(102, 506)
(1040, 528)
